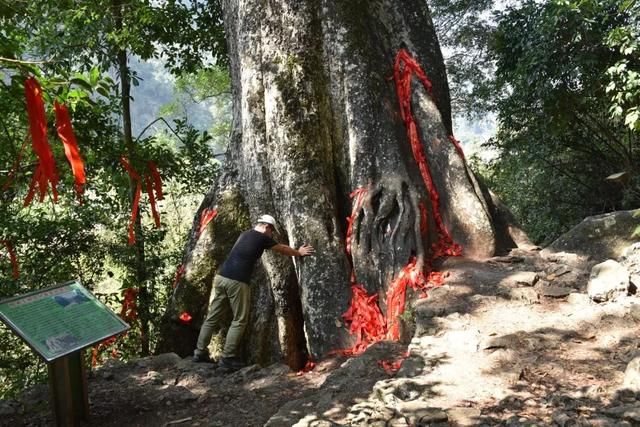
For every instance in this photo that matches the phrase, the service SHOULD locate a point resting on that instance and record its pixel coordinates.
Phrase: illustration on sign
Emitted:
(60, 320)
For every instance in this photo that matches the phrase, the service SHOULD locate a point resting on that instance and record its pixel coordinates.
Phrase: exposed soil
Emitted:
(511, 341)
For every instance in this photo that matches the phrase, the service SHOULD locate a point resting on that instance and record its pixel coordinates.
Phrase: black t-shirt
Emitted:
(244, 254)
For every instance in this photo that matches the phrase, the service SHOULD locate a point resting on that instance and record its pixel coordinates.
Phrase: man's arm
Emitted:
(304, 250)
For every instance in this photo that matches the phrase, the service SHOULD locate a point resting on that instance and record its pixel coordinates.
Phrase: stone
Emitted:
(608, 280)
(571, 259)
(528, 295)
(625, 412)
(463, 417)
(632, 375)
(630, 258)
(634, 311)
(520, 278)
(576, 298)
(418, 412)
(600, 237)
(553, 291)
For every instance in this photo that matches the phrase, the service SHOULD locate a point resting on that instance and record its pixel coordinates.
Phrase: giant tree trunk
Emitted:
(316, 117)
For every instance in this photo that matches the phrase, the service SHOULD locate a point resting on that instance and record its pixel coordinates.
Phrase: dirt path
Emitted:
(513, 341)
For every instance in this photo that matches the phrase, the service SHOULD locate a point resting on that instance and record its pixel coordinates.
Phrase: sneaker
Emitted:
(196, 358)
(231, 363)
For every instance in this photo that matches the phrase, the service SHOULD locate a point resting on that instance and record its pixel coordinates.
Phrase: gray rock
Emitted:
(625, 412)
(578, 299)
(553, 291)
(600, 237)
(630, 258)
(571, 259)
(520, 278)
(634, 311)
(632, 375)
(608, 280)
(417, 412)
(463, 417)
(528, 295)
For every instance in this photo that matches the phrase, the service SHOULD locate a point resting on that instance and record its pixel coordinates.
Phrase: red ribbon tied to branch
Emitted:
(129, 310)
(71, 151)
(45, 172)
(13, 258)
(153, 183)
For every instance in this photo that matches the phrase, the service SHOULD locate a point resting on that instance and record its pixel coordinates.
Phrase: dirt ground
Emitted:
(510, 341)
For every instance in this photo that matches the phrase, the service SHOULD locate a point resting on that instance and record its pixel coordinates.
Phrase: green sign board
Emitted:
(60, 320)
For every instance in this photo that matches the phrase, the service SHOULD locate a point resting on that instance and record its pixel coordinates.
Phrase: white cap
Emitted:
(267, 219)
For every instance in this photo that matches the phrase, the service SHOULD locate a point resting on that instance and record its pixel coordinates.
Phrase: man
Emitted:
(231, 289)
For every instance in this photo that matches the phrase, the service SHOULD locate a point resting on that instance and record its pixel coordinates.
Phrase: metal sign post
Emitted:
(58, 323)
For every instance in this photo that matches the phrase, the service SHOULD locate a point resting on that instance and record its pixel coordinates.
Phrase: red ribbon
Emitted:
(129, 310)
(185, 318)
(179, 274)
(13, 258)
(205, 218)
(71, 150)
(365, 320)
(152, 182)
(358, 197)
(156, 179)
(456, 144)
(136, 198)
(405, 67)
(152, 201)
(308, 367)
(45, 172)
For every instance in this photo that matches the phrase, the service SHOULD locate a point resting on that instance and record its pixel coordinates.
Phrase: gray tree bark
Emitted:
(316, 116)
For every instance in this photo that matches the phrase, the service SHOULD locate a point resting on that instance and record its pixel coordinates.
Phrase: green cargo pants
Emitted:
(227, 292)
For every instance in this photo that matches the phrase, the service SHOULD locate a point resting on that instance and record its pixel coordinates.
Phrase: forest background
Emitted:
(546, 98)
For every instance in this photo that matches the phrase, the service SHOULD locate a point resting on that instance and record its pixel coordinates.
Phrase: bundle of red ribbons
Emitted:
(364, 316)
(153, 184)
(46, 173)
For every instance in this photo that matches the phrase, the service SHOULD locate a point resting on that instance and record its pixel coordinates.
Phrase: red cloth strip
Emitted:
(185, 318)
(71, 150)
(40, 144)
(152, 201)
(205, 218)
(134, 213)
(157, 180)
(404, 69)
(456, 144)
(136, 198)
(365, 319)
(129, 310)
(358, 197)
(13, 258)
(179, 274)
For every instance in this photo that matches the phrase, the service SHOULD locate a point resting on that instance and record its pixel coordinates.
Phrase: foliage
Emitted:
(557, 140)
(70, 47)
(624, 75)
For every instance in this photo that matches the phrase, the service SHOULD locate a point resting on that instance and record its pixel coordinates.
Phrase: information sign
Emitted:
(60, 320)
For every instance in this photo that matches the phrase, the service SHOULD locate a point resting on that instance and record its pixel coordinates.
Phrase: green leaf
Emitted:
(94, 75)
(102, 91)
(82, 82)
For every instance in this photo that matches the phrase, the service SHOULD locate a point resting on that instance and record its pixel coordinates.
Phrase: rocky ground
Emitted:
(511, 341)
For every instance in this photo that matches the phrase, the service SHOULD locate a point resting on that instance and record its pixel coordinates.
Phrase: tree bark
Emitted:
(315, 117)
